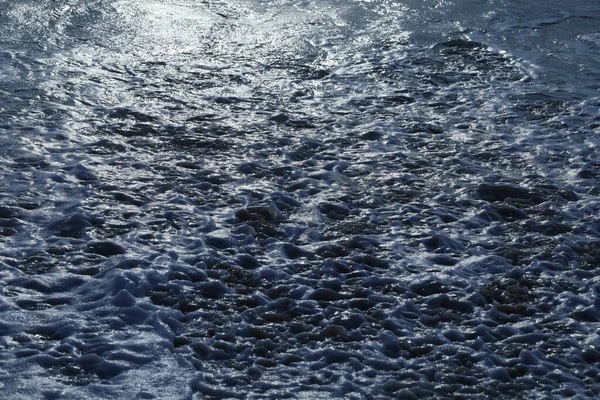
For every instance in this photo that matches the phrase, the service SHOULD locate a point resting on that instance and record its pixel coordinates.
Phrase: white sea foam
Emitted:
(347, 199)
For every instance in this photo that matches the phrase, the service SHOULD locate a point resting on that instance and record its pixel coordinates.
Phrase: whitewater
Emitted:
(311, 199)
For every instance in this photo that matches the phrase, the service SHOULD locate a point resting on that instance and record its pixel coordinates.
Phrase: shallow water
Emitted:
(318, 199)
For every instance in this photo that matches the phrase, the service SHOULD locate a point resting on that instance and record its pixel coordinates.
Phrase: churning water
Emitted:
(306, 199)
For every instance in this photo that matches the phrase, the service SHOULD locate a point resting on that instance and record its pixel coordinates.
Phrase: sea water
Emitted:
(299, 199)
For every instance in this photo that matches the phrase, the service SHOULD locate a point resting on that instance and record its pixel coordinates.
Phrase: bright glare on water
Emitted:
(299, 199)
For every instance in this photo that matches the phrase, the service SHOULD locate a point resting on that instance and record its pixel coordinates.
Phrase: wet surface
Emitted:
(318, 199)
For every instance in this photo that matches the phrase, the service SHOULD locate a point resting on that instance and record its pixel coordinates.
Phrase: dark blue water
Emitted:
(319, 199)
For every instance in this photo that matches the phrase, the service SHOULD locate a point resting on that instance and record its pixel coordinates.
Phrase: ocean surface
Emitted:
(299, 199)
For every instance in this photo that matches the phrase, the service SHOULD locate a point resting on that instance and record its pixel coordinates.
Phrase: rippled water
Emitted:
(305, 199)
